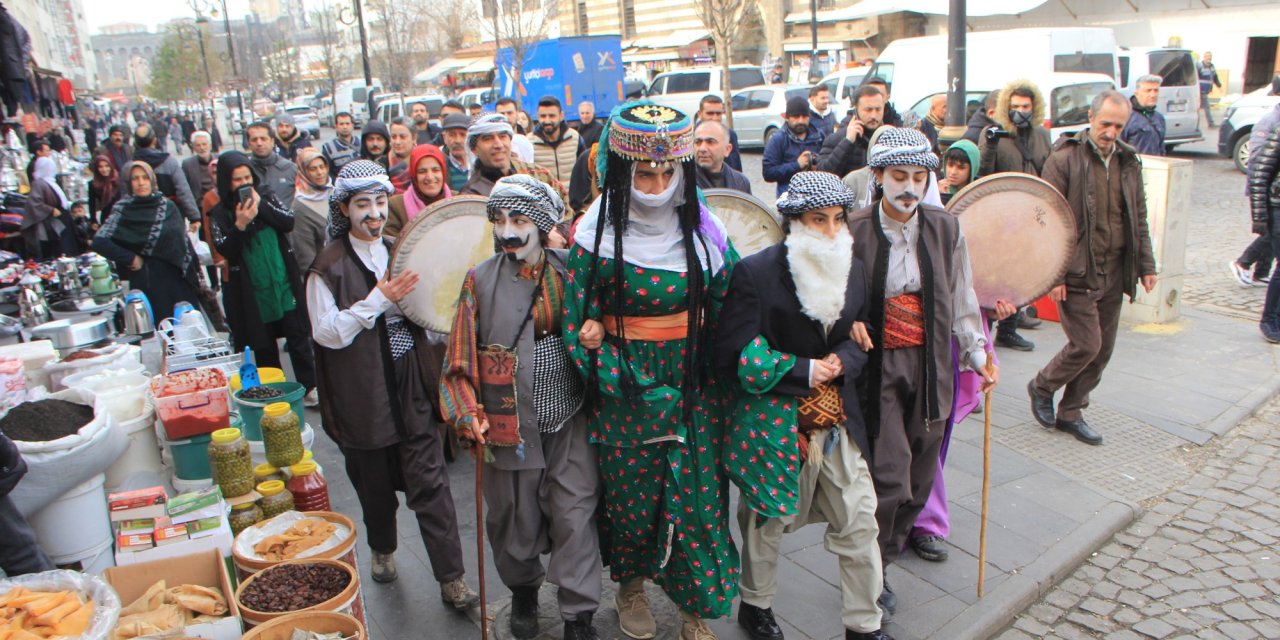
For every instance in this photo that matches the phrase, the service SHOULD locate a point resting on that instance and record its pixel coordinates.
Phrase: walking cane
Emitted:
(986, 480)
(484, 602)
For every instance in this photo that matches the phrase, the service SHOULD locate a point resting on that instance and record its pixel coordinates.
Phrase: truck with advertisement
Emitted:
(573, 69)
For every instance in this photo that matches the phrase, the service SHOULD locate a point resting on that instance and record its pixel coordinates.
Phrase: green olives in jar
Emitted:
(231, 462)
(244, 516)
(280, 434)
(275, 499)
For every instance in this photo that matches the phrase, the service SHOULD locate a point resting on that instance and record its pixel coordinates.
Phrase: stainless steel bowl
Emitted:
(67, 334)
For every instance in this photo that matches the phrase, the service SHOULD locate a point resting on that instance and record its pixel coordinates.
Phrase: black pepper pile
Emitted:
(290, 587)
(45, 420)
(261, 392)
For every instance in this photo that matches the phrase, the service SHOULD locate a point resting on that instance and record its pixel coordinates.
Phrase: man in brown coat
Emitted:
(1101, 178)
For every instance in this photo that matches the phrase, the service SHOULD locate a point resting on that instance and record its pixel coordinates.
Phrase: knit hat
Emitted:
(811, 190)
(797, 106)
(898, 146)
(487, 124)
(284, 117)
(644, 131)
(528, 196)
(357, 176)
(456, 121)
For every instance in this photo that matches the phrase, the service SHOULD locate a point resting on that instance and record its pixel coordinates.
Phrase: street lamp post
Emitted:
(364, 52)
(197, 32)
(814, 76)
(231, 51)
(954, 125)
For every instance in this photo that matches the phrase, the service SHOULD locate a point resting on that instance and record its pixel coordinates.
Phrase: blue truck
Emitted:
(573, 69)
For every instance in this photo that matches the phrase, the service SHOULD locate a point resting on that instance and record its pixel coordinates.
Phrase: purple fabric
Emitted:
(935, 519)
(710, 230)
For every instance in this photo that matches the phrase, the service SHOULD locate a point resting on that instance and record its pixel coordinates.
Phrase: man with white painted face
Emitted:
(543, 483)
(786, 338)
(378, 375)
(921, 300)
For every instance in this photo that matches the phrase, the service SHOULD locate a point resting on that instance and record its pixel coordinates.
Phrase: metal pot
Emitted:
(137, 317)
(67, 334)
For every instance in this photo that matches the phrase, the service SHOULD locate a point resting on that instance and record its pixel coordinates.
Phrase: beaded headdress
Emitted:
(650, 132)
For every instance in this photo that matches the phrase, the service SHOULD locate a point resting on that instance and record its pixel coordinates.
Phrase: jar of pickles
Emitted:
(267, 472)
(281, 435)
(230, 461)
(275, 499)
(244, 516)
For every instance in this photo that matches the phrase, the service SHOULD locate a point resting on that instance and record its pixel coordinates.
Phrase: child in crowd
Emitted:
(961, 168)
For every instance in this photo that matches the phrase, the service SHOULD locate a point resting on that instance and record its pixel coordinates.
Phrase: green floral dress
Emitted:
(762, 455)
(666, 496)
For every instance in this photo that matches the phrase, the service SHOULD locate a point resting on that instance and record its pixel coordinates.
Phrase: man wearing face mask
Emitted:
(921, 299)
(1018, 143)
(786, 339)
(543, 483)
(794, 150)
(379, 375)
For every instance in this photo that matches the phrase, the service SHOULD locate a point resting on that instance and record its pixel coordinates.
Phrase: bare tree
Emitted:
(723, 20)
(518, 25)
(448, 17)
(325, 23)
(281, 67)
(400, 25)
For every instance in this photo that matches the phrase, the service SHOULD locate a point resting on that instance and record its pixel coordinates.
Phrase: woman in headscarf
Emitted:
(427, 186)
(44, 231)
(104, 190)
(146, 236)
(310, 206)
(263, 296)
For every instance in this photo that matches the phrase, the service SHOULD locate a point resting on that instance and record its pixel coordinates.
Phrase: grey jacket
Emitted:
(168, 172)
(276, 174)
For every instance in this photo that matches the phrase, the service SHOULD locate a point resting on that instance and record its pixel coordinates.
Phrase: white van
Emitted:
(684, 89)
(352, 96)
(843, 84)
(1068, 97)
(392, 106)
(915, 68)
(1179, 92)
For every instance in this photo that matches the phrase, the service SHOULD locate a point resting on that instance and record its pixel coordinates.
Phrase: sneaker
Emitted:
(1261, 281)
(459, 595)
(692, 628)
(1028, 321)
(1241, 274)
(931, 548)
(1014, 341)
(1270, 332)
(312, 399)
(634, 617)
(384, 567)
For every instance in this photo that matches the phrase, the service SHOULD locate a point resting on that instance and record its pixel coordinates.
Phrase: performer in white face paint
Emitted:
(378, 375)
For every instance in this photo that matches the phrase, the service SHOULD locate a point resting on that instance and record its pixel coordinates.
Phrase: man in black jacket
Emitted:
(19, 552)
(711, 144)
(845, 150)
(981, 120)
(711, 107)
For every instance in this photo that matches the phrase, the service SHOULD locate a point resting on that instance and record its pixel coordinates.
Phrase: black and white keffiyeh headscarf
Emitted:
(898, 147)
(528, 196)
(357, 176)
(810, 190)
(487, 124)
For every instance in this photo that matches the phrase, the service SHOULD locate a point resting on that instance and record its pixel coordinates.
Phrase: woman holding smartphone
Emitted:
(146, 236)
(263, 296)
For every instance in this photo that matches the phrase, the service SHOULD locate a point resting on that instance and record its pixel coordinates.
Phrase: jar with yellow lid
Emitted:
(244, 516)
(266, 472)
(275, 499)
(281, 435)
(310, 491)
(231, 463)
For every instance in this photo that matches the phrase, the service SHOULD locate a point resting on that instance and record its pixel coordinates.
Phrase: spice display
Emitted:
(190, 381)
(266, 472)
(39, 614)
(83, 354)
(275, 499)
(310, 491)
(162, 609)
(260, 392)
(45, 420)
(280, 434)
(230, 460)
(244, 516)
(307, 533)
(290, 587)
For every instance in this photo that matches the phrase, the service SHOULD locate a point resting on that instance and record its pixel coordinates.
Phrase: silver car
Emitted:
(305, 119)
(758, 112)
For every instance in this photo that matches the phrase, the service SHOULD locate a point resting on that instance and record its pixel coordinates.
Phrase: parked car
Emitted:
(842, 84)
(683, 89)
(758, 112)
(1237, 124)
(305, 119)
(483, 96)
(1179, 99)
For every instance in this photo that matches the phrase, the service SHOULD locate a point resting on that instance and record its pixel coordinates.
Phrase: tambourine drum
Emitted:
(441, 244)
(752, 225)
(1021, 235)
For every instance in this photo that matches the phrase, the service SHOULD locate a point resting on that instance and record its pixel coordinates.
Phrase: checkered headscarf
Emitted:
(898, 146)
(528, 196)
(486, 124)
(357, 176)
(810, 190)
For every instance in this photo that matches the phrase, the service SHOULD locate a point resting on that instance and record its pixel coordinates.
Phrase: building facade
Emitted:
(59, 38)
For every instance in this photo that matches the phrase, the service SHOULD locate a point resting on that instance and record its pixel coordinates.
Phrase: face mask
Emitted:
(657, 200)
(1021, 119)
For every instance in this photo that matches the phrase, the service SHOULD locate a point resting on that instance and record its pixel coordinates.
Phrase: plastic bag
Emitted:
(278, 525)
(201, 248)
(13, 383)
(119, 355)
(106, 604)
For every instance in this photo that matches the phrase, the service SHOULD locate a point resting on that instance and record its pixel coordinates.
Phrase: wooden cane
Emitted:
(484, 602)
(986, 480)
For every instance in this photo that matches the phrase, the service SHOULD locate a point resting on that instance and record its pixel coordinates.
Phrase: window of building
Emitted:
(628, 18)
(583, 28)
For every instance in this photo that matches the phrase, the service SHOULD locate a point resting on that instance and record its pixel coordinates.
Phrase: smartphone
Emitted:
(244, 193)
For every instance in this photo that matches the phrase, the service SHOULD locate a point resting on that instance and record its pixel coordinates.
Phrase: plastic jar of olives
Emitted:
(244, 516)
(281, 435)
(275, 499)
(231, 463)
(267, 472)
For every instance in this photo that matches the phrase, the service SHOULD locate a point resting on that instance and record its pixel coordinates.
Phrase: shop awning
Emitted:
(869, 8)
(477, 65)
(681, 38)
(803, 44)
(650, 55)
(430, 74)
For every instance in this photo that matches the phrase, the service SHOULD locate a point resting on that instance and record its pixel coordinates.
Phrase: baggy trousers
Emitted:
(1090, 319)
(415, 466)
(536, 511)
(905, 453)
(837, 490)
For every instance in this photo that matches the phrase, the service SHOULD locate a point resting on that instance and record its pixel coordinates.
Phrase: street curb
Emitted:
(1244, 409)
(997, 609)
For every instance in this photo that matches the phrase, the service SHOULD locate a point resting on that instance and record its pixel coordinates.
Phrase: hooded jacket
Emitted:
(376, 127)
(1027, 151)
(971, 151)
(977, 124)
(170, 179)
(289, 148)
(781, 156)
(1145, 130)
(271, 174)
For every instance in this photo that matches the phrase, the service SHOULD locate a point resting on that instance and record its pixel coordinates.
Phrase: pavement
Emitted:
(1169, 396)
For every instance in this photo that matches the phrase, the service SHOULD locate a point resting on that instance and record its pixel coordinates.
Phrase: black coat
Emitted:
(733, 179)
(762, 301)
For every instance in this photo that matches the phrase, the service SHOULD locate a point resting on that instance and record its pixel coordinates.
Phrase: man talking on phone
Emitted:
(794, 150)
(845, 150)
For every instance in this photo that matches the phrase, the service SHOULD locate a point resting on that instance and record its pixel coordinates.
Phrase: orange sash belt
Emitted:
(650, 328)
(904, 321)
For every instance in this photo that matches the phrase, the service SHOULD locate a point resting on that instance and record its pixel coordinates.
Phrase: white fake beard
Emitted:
(820, 268)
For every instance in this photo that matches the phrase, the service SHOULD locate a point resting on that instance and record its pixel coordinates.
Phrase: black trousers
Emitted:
(19, 553)
(297, 335)
(1257, 255)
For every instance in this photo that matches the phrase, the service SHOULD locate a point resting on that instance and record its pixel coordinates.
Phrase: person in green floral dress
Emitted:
(647, 275)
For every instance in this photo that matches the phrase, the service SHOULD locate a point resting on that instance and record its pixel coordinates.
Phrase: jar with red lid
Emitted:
(310, 491)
